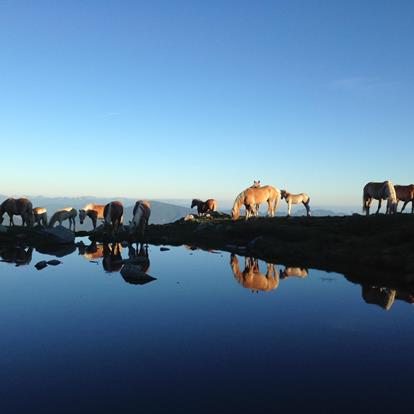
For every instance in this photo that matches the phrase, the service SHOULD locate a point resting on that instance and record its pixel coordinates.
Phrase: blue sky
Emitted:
(181, 99)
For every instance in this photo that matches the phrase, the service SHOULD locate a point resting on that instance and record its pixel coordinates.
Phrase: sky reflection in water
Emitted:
(212, 333)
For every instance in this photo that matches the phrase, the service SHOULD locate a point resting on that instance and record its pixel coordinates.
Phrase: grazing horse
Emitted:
(252, 278)
(405, 193)
(296, 199)
(380, 191)
(68, 213)
(253, 197)
(293, 272)
(204, 207)
(40, 216)
(93, 211)
(20, 207)
(113, 215)
(141, 215)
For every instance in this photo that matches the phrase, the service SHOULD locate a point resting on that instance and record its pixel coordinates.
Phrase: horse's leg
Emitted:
(11, 222)
(289, 208)
(403, 207)
(412, 206)
(307, 208)
(379, 205)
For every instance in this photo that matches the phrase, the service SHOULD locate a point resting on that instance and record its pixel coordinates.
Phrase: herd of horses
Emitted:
(111, 214)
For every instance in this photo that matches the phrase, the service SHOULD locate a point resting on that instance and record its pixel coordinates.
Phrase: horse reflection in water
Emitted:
(385, 297)
(17, 255)
(91, 253)
(251, 277)
(293, 272)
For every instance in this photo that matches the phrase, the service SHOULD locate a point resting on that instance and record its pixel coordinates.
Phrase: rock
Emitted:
(189, 217)
(54, 262)
(133, 274)
(164, 249)
(41, 265)
(57, 235)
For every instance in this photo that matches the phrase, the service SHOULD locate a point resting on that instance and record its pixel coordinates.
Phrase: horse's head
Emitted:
(283, 194)
(82, 216)
(194, 203)
(256, 184)
(235, 213)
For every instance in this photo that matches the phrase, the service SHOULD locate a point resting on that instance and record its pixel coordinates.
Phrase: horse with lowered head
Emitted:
(68, 213)
(93, 211)
(380, 191)
(141, 215)
(204, 207)
(252, 197)
(113, 215)
(20, 207)
(296, 199)
(405, 193)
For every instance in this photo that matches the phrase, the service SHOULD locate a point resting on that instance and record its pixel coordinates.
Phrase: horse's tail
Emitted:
(53, 219)
(277, 201)
(364, 199)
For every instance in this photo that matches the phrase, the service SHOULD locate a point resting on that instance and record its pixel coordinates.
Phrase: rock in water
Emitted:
(164, 249)
(57, 235)
(41, 265)
(54, 262)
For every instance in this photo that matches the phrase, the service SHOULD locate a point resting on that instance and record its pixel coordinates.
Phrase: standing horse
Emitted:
(253, 197)
(252, 278)
(93, 211)
(68, 213)
(113, 215)
(40, 216)
(296, 199)
(141, 215)
(405, 193)
(204, 207)
(380, 191)
(20, 207)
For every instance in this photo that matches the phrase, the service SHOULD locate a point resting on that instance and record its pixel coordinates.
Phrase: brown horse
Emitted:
(20, 207)
(296, 199)
(405, 193)
(253, 197)
(40, 216)
(113, 215)
(204, 207)
(252, 278)
(141, 215)
(93, 211)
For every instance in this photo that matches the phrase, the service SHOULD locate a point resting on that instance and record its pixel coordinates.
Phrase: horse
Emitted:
(252, 278)
(141, 215)
(204, 207)
(113, 215)
(18, 255)
(293, 272)
(381, 296)
(20, 207)
(405, 193)
(112, 257)
(40, 216)
(296, 199)
(91, 252)
(253, 197)
(93, 211)
(68, 213)
(380, 191)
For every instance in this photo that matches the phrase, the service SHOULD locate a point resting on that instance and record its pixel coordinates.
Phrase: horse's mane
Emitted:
(239, 200)
(391, 191)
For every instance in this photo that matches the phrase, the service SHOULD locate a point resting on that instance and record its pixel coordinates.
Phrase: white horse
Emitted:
(141, 215)
(67, 213)
(296, 199)
(40, 216)
(380, 191)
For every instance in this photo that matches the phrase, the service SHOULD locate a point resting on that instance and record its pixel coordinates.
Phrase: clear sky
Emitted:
(181, 99)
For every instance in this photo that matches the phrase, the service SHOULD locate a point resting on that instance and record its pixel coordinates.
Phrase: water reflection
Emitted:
(293, 272)
(251, 277)
(17, 255)
(385, 297)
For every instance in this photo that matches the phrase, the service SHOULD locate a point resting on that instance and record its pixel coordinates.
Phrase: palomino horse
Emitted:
(253, 197)
(113, 215)
(380, 191)
(40, 216)
(93, 211)
(204, 207)
(67, 213)
(296, 199)
(293, 272)
(252, 278)
(141, 215)
(405, 193)
(20, 207)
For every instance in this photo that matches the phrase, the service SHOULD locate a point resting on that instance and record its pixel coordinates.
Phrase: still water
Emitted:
(212, 333)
